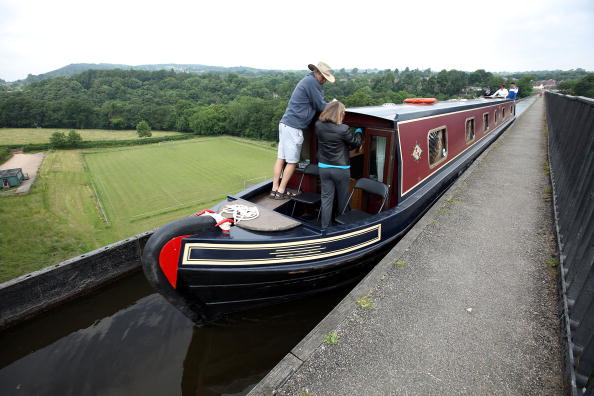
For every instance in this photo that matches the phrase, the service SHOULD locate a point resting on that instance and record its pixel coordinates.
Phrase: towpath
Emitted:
(464, 304)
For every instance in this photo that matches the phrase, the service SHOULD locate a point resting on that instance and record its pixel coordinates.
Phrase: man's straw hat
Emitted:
(324, 69)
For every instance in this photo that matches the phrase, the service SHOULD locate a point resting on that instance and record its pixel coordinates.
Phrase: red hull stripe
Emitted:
(169, 259)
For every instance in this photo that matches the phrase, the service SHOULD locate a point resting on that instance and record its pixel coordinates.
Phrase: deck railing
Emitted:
(570, 122)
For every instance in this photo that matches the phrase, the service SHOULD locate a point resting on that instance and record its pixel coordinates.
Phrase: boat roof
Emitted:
(10, 172)
(408, 111)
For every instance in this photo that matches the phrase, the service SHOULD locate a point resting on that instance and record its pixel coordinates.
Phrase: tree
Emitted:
(567, 87)
(58, 140)
(585, 86)
(360, 98)
(182, 112)
(21, 112)
(457, 81)
(4, 155)
(209, 120)
(249, 103)
(396, 97)
(479, 77)
(158, 117)
(77, 114)
(143, 129)
(525, 86)
(494, 82)
(383, 81)
(73, 139)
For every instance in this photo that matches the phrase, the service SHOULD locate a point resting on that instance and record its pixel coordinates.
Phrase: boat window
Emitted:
(438, 145)
(495, 117)
(485, 122)
(503, 113)
(377, 157)
(469, 130)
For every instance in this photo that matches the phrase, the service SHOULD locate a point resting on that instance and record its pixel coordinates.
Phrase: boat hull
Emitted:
(233, 289)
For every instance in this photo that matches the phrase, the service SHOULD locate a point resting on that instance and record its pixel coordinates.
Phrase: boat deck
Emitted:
(268, 220)
(272, 204)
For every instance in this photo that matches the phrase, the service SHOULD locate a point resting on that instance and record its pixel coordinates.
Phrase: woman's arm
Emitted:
(353, 140)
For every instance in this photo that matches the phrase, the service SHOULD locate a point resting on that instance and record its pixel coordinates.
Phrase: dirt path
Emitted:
(30, 164)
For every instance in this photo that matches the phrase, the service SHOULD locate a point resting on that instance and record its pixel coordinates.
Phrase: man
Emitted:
(513, 91)
(307, 100)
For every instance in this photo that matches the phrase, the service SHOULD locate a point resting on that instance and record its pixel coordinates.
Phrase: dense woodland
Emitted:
(227, 102)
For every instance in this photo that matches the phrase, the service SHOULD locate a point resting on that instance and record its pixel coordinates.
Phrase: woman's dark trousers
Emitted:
(334, 182)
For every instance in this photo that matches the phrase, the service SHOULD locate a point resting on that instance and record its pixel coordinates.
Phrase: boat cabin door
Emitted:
(375, 161)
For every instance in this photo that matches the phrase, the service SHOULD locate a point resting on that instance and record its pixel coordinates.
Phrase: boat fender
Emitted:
(222, 222)
(160, 260)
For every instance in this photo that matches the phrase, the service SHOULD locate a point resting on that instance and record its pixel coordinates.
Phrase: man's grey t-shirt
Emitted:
(306, 100)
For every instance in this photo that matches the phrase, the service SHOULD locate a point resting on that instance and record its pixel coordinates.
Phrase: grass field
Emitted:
(139, 189)
(55, 221)
(150, 181)
(42, 135)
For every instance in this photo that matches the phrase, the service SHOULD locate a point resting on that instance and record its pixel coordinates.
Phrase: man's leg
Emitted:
(291, 141)
(277, 171)
(288, 172)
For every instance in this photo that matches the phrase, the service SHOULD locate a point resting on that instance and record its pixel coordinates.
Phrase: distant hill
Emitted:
(76, 68)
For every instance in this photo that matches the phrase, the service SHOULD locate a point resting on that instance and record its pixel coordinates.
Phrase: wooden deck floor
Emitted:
(268, 220)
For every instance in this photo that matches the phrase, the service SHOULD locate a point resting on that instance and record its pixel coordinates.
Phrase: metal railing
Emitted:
(570, 122)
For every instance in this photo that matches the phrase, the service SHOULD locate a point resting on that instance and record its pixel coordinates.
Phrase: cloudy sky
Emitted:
(37, 36)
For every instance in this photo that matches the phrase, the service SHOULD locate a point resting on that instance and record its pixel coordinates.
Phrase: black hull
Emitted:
(228, 293)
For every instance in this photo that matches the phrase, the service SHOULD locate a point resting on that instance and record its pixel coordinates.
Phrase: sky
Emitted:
(38, 36)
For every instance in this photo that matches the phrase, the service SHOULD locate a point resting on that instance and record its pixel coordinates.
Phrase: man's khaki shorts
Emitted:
(290, 141)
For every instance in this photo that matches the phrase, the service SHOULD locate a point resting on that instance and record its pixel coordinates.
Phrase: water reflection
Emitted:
(129, 341)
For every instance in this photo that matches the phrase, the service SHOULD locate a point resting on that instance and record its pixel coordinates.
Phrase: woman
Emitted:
(334, 143)
(501, 92)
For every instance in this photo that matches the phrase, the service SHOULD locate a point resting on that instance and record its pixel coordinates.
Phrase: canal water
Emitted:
(127, 340)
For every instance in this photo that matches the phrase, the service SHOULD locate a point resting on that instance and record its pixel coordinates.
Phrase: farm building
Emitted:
(11, 177)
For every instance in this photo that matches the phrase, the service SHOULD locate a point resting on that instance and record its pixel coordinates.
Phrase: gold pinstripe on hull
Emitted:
(304, 250)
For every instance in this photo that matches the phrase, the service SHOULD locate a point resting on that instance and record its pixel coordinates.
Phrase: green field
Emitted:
(146, 182)
(42, 135)
(83, 200)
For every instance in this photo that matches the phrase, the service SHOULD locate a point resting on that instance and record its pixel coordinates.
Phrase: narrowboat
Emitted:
(251, 250)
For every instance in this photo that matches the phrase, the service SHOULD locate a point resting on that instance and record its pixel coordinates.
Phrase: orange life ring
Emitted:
(420, 100)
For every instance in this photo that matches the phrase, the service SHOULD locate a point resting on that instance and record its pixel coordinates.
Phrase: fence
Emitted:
(570, 123)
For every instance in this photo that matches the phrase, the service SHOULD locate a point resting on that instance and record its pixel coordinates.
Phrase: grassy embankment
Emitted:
(84, 200)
